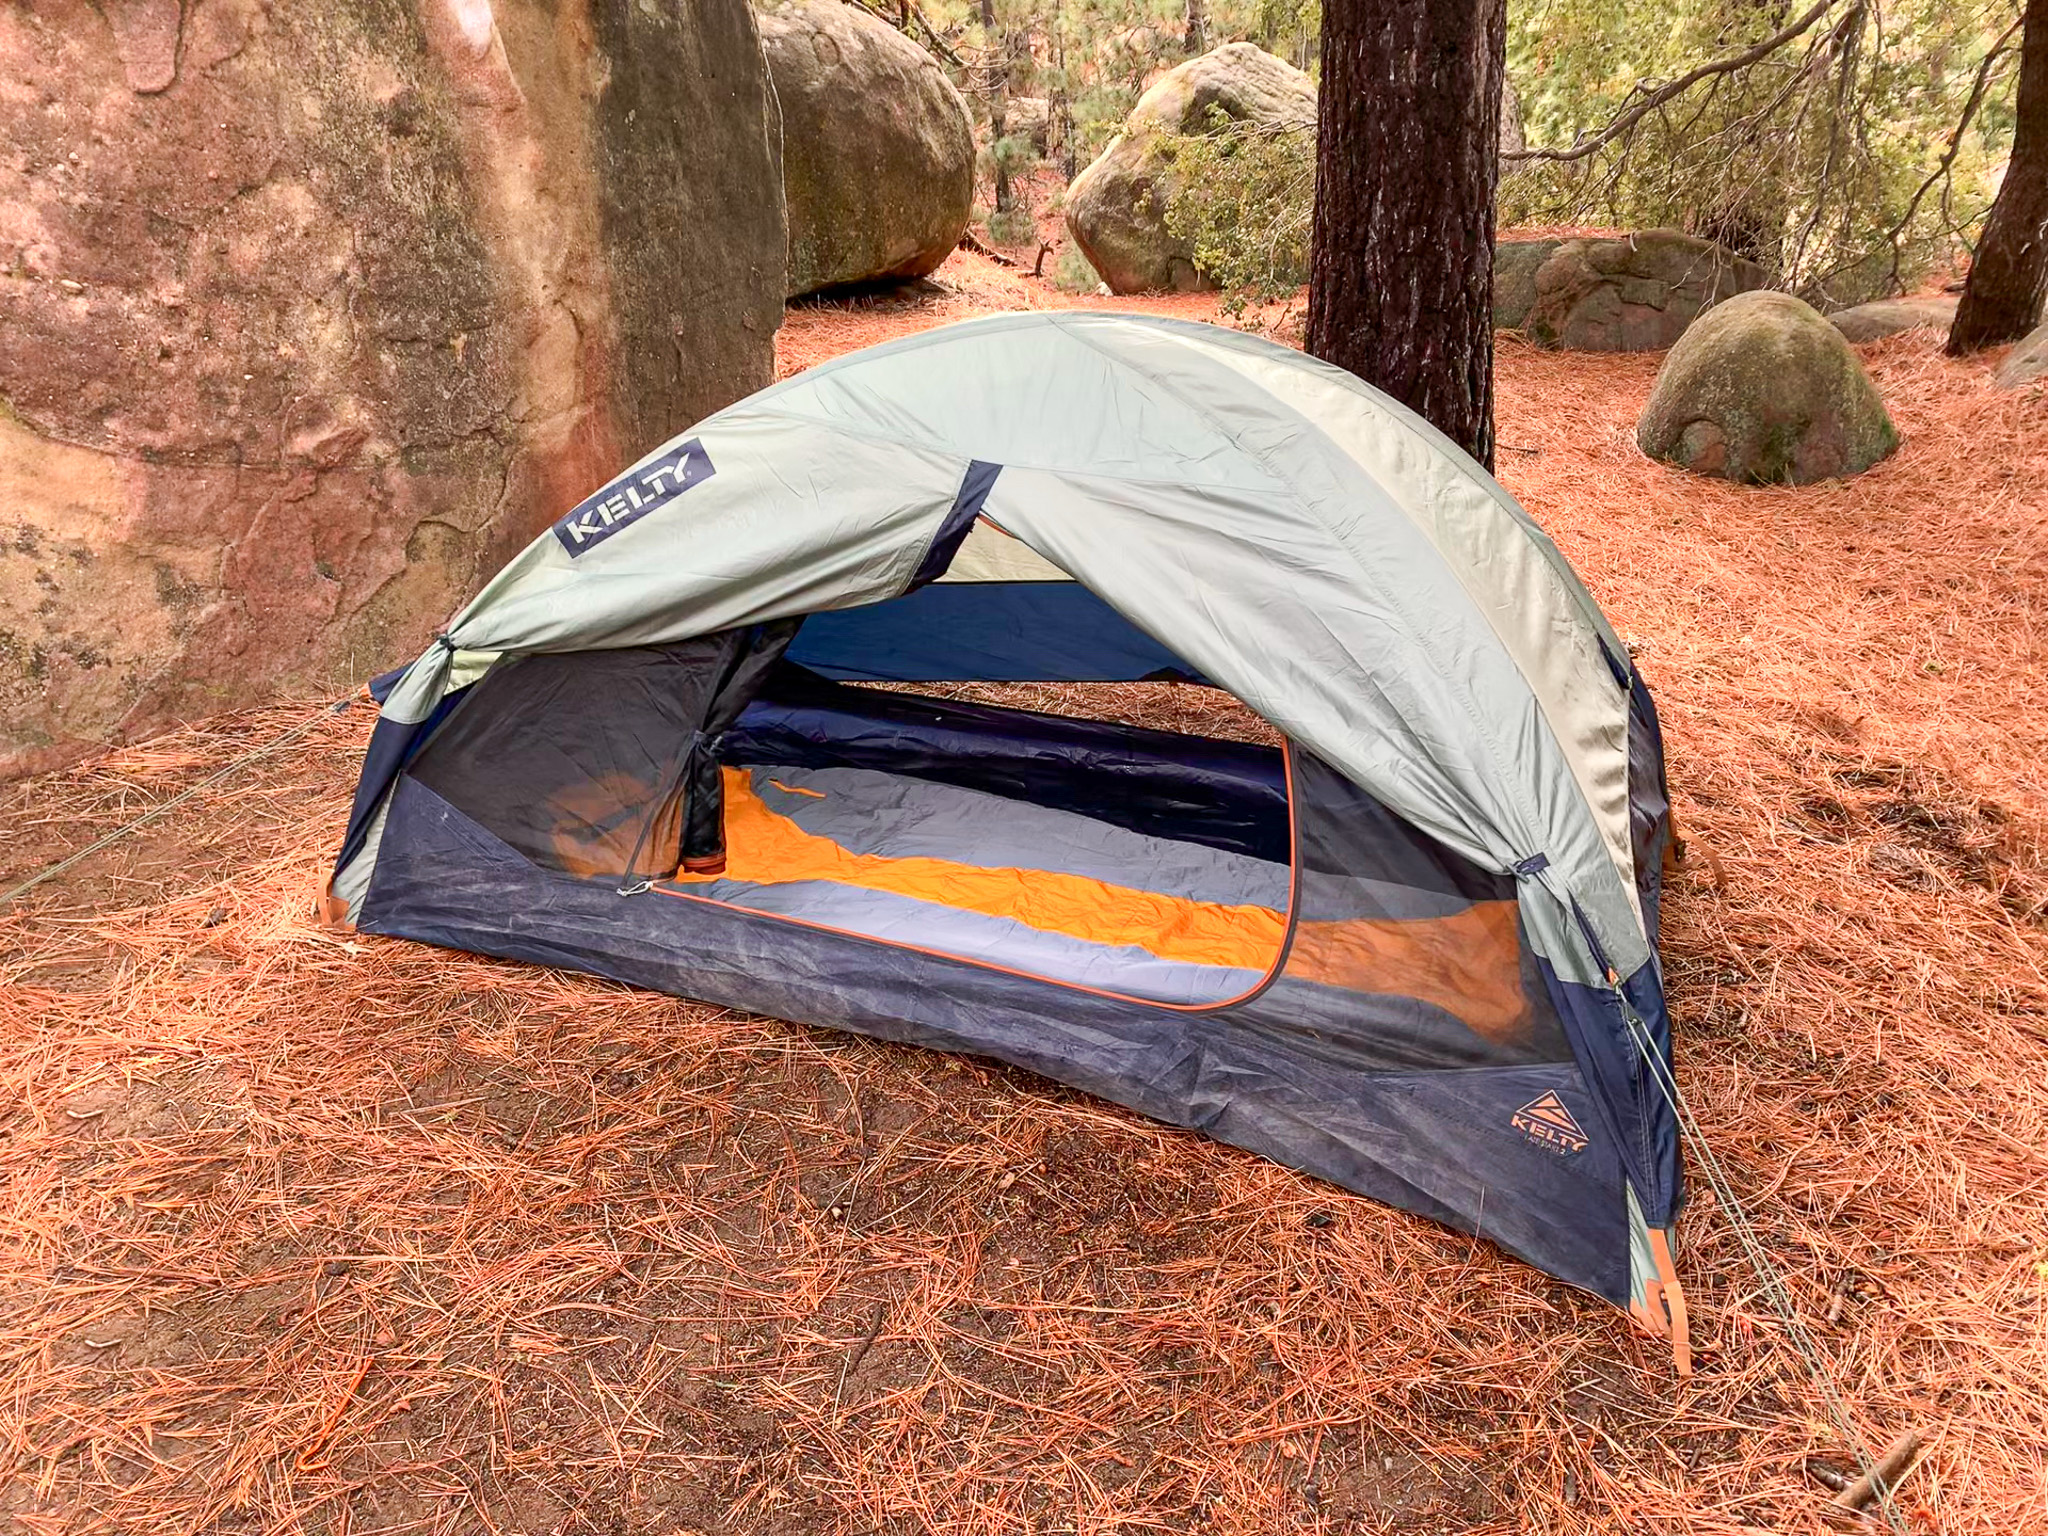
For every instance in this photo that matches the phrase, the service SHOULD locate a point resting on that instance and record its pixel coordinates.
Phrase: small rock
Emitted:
(1888, 317)
(1763, 390)
(2027, 361)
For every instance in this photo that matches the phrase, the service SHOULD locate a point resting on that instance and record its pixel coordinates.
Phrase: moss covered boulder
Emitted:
(1116, 208)
(877, 149)
(1515, 265)
(1633, 293)
(1762, 389)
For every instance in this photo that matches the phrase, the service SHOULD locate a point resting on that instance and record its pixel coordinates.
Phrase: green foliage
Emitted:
(1072, 272)
(1289, 29)
(1807, 160)
(1012, 226)
(1810, 160)
(1014, 153)
(1097, 56)
(1242, 198)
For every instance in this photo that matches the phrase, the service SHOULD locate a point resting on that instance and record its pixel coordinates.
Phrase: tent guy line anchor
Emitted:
(1876, 1478)
(157, 812)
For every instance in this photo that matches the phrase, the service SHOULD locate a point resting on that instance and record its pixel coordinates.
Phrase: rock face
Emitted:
(1637, 293)
(1762, 389)
(1512, 139)
(1028, 118)
(2027, 361)
(310, 316)
(1888, 317)
(1515, 265)
(877, 151)
(1116, 208)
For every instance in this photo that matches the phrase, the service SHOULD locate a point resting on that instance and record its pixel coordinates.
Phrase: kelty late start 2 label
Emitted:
(632, 496)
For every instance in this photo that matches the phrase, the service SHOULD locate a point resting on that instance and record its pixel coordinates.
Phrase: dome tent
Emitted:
(1413, 952)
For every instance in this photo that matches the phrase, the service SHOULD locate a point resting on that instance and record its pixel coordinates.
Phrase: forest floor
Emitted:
(312, 1235)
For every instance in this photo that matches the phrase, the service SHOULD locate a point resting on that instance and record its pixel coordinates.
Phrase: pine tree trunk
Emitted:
(1195, 34)
(2008, 283)
(1407, 159)
(997, 47)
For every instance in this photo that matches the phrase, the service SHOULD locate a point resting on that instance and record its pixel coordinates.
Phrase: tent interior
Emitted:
(1151, 865)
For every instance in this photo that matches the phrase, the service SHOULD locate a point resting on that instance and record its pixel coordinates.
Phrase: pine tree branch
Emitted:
(1955, 144)
(1658, 96)
(931, 33)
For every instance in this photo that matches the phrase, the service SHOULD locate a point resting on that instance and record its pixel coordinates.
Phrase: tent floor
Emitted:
(1002, 882)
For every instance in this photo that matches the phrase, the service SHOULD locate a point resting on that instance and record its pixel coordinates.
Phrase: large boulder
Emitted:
(877, 150)
(2027, 361)
(1515, 265)
(1634, 293)
(312, 315)
(1888, 317)
(1116, 208)
(1763, 390)
(1028, 118)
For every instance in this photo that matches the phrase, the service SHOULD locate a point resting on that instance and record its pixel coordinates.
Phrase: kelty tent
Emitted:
(1411, 952)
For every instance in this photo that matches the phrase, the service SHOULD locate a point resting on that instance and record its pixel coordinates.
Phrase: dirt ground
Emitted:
(308, 1235)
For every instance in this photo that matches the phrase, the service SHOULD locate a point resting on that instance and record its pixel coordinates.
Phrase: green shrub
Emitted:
(1243, 199)
(1072, 272)
(1013, 226)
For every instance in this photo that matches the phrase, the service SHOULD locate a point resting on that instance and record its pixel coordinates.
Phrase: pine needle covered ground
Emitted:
(312, 1236)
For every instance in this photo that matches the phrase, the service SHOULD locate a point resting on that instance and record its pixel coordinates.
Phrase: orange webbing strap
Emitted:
(330, 912)
(1662, 1309)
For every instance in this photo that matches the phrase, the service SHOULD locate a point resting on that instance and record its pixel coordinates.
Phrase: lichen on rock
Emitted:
(310, 316)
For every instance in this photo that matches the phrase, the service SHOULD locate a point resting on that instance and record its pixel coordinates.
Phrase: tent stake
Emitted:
(1889, 1466)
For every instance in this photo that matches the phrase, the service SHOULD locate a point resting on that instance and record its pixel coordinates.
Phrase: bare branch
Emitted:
(1955, 144)
(931, 33)
(1655, 98)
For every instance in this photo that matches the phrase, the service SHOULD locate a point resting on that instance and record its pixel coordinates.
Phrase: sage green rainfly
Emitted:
(1761, 389)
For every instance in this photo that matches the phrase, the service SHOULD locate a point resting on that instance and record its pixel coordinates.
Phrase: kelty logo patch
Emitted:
(1546, 1120)
(631, 497)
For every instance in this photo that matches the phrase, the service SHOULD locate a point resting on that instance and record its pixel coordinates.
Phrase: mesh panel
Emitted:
(581, 762)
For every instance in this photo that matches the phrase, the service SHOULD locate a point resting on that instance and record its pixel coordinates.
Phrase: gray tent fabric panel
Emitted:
(1532, 599)
(830, 487)
(793, 523)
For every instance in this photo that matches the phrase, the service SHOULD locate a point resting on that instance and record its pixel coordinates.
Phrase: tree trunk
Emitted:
(1407, 158)
(2008, 282)
(1195, 35)
(996, 48)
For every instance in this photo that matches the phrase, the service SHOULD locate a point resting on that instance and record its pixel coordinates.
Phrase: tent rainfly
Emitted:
(1411, 951)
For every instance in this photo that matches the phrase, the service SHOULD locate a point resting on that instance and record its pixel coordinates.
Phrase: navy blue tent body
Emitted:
(1290, 947)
